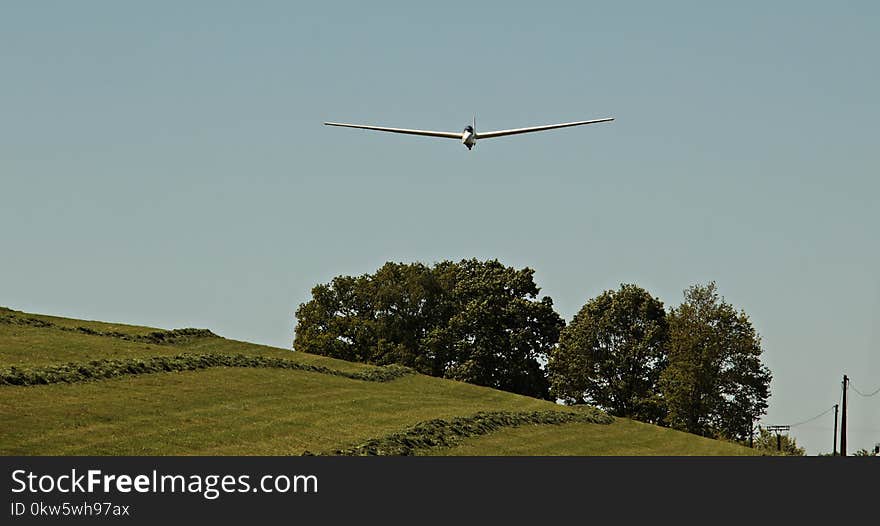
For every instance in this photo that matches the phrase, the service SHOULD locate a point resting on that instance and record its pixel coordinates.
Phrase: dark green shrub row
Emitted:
(446, 433)
(156, 337)
(104, 369)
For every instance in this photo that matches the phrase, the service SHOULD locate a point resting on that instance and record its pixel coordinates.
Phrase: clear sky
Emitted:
(164, 163)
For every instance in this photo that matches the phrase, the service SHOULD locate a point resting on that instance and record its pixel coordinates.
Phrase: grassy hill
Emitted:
(72, 387)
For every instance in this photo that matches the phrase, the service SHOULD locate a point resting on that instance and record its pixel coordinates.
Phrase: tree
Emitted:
(612, 354)
(498, 332)
(769, 443)
(337, 322)
(474, 321)
(379, 318)
(715, 383)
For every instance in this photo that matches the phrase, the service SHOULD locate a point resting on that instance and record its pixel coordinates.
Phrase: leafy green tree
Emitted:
(338, 321)
(474, 321)
(715, 383)
(769, 443)
(379, 318)
(612, 354)
(498, 331)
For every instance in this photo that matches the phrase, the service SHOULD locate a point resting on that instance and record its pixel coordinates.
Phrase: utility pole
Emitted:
(777, 430)
(752, 432)
(834, 451)
(843, 419)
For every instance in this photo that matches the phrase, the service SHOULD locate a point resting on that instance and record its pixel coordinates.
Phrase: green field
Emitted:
(263, 410)
(622, 438)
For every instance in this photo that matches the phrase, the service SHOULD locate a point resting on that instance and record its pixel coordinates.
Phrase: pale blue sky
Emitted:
(164, 163)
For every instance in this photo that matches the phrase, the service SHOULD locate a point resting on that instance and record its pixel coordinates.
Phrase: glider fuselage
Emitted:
(469, 136)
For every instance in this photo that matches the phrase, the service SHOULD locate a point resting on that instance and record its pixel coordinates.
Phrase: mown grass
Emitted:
(257, 411)
(624, 437)
(134, 330)
(230, 411)
(28, 346)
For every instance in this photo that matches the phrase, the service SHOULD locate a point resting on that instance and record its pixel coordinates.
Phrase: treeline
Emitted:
(695, 367)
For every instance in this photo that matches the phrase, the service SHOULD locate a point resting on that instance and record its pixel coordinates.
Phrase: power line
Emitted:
(823, 413)
(861, 393)
(852, 430)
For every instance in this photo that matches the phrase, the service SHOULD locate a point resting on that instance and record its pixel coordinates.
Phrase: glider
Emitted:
(469, 135)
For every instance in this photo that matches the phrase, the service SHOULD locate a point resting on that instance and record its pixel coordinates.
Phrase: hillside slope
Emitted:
(72, 387)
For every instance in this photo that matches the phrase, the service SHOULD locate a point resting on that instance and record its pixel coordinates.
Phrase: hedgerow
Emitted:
(447, 433)
(113, 368)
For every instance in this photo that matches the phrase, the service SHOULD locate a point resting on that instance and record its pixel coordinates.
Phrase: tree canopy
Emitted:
(475, 321)
(696, 367)
(715, 383)
(612, 354)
